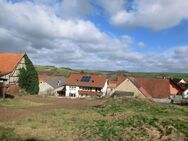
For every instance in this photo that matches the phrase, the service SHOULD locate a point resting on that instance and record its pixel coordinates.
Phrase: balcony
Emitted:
(89, 93)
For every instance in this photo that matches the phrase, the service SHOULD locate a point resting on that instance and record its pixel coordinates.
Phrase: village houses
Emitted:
(157, 89)
(80, 85)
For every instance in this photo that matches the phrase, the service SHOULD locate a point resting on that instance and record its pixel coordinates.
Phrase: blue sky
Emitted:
(137, 35)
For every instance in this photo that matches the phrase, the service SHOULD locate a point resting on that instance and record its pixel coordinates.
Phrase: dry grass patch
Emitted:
(116, 119)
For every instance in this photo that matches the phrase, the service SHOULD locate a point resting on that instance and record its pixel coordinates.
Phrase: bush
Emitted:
(28, 78)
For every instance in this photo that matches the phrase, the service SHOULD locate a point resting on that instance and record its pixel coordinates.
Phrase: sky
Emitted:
(131, 35)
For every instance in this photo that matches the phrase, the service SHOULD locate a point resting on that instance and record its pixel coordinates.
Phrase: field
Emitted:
(46, 118)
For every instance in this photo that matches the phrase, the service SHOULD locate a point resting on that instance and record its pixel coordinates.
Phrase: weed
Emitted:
(6, 134)
(110, 109)
(34, 126)
(18, 123)
(30, 118)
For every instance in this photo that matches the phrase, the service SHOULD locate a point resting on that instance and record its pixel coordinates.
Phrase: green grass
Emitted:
(118, 119)
(51, 70)
(34, 126)
(6, 134)
(111, 108)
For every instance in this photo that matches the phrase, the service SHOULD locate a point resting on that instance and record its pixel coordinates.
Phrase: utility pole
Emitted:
(3, 87)
(4, 90)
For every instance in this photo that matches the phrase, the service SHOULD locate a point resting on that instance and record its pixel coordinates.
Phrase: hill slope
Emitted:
(51, 70)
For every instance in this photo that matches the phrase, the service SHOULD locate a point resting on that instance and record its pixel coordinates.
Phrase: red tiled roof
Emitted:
(139, 87)
(89, 93)
(95, 81)
(120, 79)
(8, 61)
(113, 84)
(40, 76)
(156, 88)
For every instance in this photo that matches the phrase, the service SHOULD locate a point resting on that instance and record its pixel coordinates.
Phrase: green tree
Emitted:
(28, 78)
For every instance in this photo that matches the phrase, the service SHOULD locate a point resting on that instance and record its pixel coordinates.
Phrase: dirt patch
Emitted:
(10, 113)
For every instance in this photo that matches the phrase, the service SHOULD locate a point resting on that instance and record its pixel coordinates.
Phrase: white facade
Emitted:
(73, 91)
(185, 94)
(46, 89)
(12, 78)
(104, 89)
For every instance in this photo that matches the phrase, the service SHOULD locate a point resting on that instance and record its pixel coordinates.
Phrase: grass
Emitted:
(118, 119)
(19, 103)
(160, 74)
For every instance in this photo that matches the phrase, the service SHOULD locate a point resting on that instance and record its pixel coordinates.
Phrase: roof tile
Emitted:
(95, 81)
(8, 61)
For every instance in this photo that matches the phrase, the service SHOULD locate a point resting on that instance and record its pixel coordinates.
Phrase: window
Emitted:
(98, 89)
(72, 94)
(86, 88)
(72, 87)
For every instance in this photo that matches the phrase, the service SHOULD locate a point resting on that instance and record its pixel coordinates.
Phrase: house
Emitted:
(159, 89)
(129, 88)
(10, 65)
(178, 81)
(86, 85)
(146, 87)
(52, 85)
(182, 85)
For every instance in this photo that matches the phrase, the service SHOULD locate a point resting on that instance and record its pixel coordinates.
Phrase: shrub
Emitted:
(28, 78)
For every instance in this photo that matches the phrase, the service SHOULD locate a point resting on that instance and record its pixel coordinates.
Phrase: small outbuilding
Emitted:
(52, 85)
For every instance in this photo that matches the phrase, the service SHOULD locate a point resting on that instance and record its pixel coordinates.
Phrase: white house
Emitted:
(85, 85)
(52, 86)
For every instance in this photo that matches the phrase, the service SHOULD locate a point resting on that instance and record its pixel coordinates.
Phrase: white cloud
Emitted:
(73, 8)
(74, 42)
(66, 41)
(141, 44)
(156, 15)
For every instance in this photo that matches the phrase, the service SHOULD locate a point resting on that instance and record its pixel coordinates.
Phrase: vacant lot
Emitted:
(45, 118)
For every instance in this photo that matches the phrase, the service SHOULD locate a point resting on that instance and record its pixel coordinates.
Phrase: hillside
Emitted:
(51, 70)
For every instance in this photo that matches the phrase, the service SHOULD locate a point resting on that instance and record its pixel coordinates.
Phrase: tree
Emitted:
(28, 78)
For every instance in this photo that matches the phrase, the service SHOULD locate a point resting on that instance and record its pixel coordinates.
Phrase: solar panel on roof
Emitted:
(85, 79)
